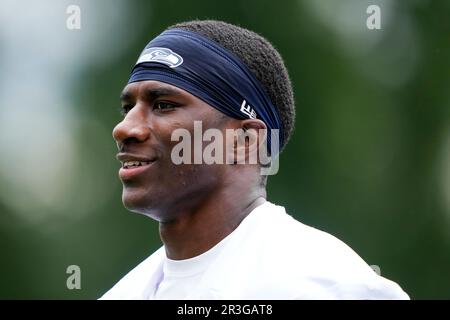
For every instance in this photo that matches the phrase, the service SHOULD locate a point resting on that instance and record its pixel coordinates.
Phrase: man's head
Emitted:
(155, 109)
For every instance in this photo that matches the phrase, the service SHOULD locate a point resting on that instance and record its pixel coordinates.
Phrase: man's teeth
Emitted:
(130, 164)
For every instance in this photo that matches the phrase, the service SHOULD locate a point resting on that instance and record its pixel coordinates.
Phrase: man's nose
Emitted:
(134, 126)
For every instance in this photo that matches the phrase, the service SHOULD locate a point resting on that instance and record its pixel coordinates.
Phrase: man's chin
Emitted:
(136, 201)
(142, 204)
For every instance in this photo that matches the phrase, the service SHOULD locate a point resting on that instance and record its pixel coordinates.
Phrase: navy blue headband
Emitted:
(205, 69)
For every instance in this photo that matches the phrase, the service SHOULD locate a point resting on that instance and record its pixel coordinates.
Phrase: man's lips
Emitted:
(133, 165)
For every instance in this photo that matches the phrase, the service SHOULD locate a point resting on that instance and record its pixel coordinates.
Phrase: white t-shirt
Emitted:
(180, 276)
(270, 255)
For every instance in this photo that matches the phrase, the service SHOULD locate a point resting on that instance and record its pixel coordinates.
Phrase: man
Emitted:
(222, 238)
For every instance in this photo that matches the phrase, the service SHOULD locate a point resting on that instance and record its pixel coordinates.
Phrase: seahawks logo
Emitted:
(161, 55)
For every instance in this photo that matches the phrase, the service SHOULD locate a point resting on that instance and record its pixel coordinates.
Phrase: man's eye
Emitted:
(163, 106)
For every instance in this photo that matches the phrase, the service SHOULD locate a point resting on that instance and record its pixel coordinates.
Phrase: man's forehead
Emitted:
(152, 88)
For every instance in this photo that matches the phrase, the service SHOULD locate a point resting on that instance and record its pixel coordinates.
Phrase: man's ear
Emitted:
(253, 123)
(246, 141)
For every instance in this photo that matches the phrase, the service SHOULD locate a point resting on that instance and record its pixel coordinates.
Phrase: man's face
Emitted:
(158, 187)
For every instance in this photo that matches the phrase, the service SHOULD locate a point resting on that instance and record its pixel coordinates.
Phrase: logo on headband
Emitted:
(161, 55)
(246, 109)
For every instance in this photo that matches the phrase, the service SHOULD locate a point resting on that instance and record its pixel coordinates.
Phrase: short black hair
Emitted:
(262, 59)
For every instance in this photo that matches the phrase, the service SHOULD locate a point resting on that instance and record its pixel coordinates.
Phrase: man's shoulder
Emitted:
(294, 240)
(299, 255)
(135, 284)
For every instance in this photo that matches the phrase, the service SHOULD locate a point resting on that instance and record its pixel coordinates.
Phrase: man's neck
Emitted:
(193, 233)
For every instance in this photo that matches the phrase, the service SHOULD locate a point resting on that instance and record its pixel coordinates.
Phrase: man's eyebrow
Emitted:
(126, 96)
(151, 94)
(154, 93)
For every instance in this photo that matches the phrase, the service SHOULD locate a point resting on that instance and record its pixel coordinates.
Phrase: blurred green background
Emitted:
(369, 161)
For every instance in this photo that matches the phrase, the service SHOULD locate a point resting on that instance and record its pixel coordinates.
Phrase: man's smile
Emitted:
(133, 165)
